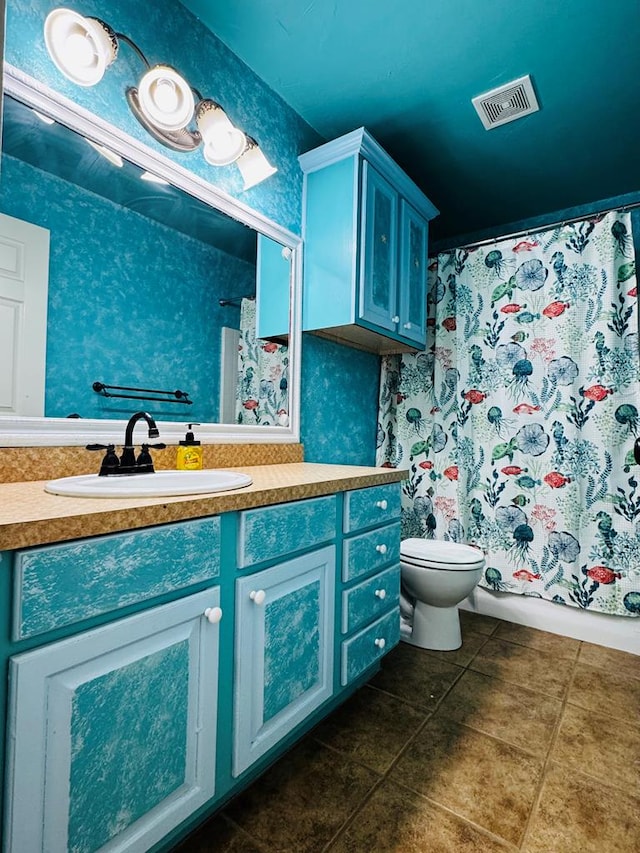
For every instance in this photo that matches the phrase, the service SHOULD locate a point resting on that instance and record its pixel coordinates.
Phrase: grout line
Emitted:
(352, 817)
(386, 775)
(458, 816)
(246, 835)
(554, 738)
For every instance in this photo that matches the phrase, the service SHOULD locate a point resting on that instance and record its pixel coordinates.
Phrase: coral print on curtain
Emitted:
(518, 423)
(262, 395)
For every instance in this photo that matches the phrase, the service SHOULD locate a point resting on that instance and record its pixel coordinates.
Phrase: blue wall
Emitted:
(339, 393)
(339, 403)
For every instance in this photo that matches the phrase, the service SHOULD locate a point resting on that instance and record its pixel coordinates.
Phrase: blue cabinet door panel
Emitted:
(413, 275)
(368, 600)
(330, 258)
(284, 651)
(369, 551)
(373, 505)
(273, 283)
(61, 584)
(379, 260)
(273, 531)
(369, 645)
(113, 732)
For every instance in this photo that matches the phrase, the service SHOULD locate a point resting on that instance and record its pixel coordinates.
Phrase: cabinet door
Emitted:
(273, 283)
(413, 274)
(284, 651)
(379, 251)
(113, 732)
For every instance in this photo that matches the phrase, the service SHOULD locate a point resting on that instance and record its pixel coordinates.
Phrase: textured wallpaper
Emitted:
(339, 403)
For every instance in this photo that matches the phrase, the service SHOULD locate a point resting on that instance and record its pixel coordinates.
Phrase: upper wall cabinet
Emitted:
(365, 247)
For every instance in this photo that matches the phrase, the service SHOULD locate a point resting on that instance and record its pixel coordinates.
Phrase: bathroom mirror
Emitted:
(148, 266)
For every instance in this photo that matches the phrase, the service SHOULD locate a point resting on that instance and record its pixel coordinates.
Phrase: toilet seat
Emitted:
(443, 556)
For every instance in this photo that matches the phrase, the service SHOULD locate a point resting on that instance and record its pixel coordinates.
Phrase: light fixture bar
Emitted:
(164, 103)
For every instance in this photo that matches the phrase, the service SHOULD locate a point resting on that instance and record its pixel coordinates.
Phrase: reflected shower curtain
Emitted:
(517, 424)
(262, 395)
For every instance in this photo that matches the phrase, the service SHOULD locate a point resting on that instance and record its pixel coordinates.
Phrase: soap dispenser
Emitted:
(189, 452)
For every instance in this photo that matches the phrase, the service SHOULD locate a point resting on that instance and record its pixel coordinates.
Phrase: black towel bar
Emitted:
(170, 396)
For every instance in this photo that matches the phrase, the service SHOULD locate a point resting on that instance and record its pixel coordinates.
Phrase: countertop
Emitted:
(31, 516)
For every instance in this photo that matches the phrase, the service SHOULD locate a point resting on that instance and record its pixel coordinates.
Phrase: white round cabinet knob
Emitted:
(395, 319)
(382, 504)
(381, 549)
(213, 614)
(380, 642)
(407, 325)
(381, 594)
(257, 596)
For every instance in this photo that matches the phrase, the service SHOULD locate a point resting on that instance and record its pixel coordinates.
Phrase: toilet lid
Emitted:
(445, 555)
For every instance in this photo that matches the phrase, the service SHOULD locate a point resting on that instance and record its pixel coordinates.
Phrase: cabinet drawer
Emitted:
(375, 505)
(369, 551)
(369, 599)
(363, 650)
(273, 531)
(58, 585)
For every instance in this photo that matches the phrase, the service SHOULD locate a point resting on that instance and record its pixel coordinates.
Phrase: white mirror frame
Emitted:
(36, 431)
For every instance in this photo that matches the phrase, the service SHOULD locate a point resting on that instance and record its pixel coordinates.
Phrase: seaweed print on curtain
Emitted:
(518, 423)
(262, 395)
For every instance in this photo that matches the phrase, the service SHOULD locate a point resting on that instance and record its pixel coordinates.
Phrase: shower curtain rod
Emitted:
(539, 229)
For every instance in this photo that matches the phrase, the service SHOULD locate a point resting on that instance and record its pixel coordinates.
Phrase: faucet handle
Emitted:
(144, 462)
(110, 463)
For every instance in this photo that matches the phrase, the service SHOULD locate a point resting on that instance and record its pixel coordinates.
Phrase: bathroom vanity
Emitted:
(156, 669)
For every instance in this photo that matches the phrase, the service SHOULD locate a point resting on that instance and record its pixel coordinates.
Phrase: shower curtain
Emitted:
(517, 423)
(262, 395)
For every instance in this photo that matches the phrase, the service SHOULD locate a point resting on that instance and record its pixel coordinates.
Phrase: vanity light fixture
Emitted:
(164, 103)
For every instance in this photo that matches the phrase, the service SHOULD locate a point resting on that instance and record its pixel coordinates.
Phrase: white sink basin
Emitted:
(160, 484)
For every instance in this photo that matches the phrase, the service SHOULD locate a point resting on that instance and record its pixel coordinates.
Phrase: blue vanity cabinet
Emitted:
(365, 247)
(370, 578)
(133, 712)
(113, 732)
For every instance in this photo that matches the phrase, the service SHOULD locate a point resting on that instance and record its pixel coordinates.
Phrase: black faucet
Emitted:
(128, 458)
(128, 464)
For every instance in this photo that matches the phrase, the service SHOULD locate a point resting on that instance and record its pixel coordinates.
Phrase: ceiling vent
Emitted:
(506, 103)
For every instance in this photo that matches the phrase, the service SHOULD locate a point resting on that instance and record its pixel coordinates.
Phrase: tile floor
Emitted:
(519, 741)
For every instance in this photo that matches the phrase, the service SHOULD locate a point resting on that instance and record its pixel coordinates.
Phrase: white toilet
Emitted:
(436, 577)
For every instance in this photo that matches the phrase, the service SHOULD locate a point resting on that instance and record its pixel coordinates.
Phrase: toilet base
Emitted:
(436, 628)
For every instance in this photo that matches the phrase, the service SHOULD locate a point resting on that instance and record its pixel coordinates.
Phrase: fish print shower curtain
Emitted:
(518, 423)
(262, 395)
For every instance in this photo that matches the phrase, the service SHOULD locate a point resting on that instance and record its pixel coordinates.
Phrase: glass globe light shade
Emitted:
(223, 143)
(165, 98)
(81, 48)
(254, 166)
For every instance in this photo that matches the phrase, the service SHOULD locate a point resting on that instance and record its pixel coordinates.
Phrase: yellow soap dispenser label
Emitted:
(189, 458)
